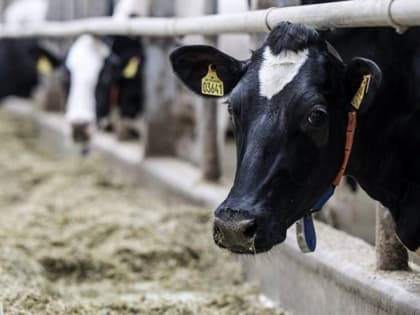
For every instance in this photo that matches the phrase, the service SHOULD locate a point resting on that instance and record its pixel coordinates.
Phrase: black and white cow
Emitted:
(112, 67)
(101, 72)
(22, 61)
(290, 104)
(122, 75)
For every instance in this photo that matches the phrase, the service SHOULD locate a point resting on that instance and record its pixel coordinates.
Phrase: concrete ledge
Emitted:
(339, 278)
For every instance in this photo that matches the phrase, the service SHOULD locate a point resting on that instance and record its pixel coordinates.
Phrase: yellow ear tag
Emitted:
(361, 92)
(43, 65)
(211, 83)
(130, 71)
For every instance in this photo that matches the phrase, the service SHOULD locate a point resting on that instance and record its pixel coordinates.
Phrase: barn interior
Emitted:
(109, 210)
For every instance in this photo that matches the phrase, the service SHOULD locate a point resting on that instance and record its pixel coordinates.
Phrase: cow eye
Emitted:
(318, 117)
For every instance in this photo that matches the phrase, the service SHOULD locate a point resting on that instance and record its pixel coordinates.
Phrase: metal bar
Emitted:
(210, 156)
(356, 13)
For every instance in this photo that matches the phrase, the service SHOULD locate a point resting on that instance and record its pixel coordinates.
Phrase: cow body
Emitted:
(387, 143)
(290, 104)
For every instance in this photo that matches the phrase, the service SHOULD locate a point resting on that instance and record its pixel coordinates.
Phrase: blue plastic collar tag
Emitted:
(323, 199)
(305, 228)
(305, 234)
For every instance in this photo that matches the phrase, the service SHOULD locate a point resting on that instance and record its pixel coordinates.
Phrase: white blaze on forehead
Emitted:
(278, 70)
(84, 61)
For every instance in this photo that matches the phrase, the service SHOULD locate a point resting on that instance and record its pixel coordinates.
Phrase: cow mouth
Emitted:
(254, 246)
(80, 133)
(251, 251)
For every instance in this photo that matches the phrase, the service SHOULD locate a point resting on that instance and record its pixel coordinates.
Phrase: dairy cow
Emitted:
(122, 75)
(114, 78)
(22, 61)
(294, 105)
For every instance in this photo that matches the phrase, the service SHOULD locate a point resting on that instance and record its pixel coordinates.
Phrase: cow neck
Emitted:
(351, 128)
(305, 229)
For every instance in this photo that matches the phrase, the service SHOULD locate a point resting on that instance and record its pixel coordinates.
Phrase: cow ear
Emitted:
(206, 70)
(362, 81)
(45, 60)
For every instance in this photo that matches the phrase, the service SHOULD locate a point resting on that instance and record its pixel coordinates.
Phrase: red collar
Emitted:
(351, 128)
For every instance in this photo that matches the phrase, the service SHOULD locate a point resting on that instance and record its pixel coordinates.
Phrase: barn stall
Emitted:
(164, 172)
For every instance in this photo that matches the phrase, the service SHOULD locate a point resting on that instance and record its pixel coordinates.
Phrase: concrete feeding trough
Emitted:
(339, 278)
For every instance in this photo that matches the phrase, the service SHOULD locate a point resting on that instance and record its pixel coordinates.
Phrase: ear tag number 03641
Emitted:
(361, 92)
(211, 83)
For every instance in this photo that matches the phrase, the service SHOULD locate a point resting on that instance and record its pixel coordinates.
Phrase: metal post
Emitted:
(160, 90)
(2, 6)
(210, 153)
(390, 253)
(257, 39)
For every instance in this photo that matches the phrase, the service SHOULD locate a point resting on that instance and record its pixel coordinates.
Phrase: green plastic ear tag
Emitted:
(130, 71)
(43, 65)
(211, 83)
(361, 92)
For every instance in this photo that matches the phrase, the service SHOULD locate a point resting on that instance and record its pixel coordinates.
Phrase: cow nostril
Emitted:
(236, 234)
(250, 230)
(218, 233)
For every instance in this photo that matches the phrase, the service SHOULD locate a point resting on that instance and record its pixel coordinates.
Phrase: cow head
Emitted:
(24, 61)
(120, 76)
(93, 65)
(84, 62)
(288, 104)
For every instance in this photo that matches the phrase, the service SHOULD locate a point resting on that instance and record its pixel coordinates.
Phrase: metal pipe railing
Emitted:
(399, 14)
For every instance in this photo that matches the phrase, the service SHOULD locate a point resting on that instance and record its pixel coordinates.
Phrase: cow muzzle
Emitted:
(80, 132)
(235, 231)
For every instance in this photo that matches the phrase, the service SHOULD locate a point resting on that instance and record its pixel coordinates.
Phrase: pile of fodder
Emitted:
(74, 241)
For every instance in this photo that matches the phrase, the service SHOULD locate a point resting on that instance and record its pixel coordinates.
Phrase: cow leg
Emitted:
(390, 253)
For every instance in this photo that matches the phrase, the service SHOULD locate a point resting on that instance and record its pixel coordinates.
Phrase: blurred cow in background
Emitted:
(114, 79)
(26, 11)
(22, 61)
